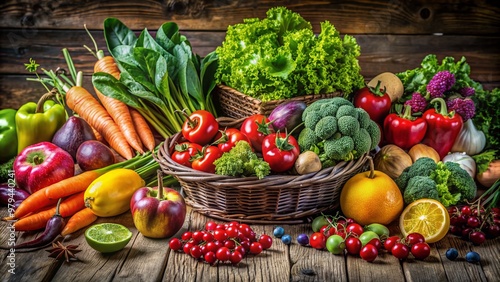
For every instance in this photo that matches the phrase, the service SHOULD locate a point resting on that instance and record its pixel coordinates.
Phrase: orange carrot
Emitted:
(143, 129)
(34, 203)
(98, 135)
(86, 106)
(68, 207)
(118, 110)
(78, 221)
(72, 185)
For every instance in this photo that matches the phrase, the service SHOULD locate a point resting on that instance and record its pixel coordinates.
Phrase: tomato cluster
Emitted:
(474, 223)
(339, 235)
(206, 142)
(221, 243)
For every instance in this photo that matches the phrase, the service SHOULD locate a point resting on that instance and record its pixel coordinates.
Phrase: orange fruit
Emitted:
(427, 217)
(371, 197)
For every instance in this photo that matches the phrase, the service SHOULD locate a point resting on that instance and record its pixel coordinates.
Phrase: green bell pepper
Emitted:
(8, 134)
(37, 122)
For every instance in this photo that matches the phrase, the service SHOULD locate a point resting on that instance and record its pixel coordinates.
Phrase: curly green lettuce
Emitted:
(280, 57)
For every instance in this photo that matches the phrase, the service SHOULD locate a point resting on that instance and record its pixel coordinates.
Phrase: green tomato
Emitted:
(319, 222)
(335, 244)
(367, 236)
(381, 230)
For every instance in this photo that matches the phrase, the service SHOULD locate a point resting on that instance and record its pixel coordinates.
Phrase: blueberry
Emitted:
(472, 257)
(451, 253)
(286, 239)
(278, 231)
(303, 239)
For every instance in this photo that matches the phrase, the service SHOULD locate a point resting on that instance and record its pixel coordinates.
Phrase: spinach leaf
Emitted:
(112, 87)
(116, 34)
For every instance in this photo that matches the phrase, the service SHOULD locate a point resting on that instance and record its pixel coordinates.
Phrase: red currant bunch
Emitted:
(221, 243)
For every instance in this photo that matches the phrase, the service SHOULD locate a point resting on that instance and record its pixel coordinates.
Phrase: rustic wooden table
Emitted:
(146, 259)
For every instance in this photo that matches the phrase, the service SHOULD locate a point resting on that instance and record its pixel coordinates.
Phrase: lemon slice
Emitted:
(427, 217)
(108, 237)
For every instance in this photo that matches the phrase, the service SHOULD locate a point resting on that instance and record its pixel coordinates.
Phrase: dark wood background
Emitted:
(394, 35)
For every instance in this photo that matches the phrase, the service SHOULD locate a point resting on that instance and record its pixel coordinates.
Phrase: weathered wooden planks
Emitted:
(145, 259)
(353, 17)
(379, 53)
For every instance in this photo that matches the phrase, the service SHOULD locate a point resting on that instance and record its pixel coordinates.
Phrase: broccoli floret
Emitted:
(363, 118)
(453, 183)
(241, 161)
(340, 101)
(307, 138)
(374, 132)
(462, 181)
(328, 109)
(311, 119)
(421, 167)
(348, 125)
(339, 149)
(347, 110)
(420, 187)
(362, 143)
(327, 122)
(326, 127)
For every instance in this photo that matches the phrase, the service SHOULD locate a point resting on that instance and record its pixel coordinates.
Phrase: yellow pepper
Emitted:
(110, 194)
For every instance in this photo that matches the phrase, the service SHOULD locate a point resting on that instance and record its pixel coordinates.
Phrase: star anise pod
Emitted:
(60, 251)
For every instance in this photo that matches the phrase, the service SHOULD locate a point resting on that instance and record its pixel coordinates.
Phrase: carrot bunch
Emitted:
(131, 125)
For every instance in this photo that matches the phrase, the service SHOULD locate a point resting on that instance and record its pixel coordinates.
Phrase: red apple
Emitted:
(158, 213)
(42, 164)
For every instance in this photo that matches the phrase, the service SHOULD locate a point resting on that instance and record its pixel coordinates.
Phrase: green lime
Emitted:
(108, 237)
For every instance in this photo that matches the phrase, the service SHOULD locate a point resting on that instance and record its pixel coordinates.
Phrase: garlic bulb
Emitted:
(470, 140)
(465, 161)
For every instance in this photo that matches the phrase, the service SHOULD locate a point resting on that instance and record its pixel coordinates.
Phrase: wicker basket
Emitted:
(273, 199)
(235, 104)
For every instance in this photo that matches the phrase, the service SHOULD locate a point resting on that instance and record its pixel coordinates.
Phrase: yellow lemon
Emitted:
(427, 217)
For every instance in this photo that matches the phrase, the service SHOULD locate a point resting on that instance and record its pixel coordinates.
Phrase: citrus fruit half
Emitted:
(427, 217)
(108, 237)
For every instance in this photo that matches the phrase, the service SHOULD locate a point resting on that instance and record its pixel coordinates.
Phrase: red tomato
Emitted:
(200, 127)
(354, 228)
(368, 252)
(204, 160)
(318, 240)
(353, 245)
(227, 138)
(390, 242)
(256, 127)
(421, 250)
(400, 251)
(376, 102)
(280, 151)
(184, 152)
(414, 238)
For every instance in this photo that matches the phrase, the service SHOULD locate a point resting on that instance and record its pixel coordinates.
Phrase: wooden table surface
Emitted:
(145, 259)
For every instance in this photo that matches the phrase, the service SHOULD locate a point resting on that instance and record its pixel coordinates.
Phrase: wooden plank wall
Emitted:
(394, 35)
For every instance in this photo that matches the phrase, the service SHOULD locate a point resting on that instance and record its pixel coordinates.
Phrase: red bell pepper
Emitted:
(404, 130)
(443, 127)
